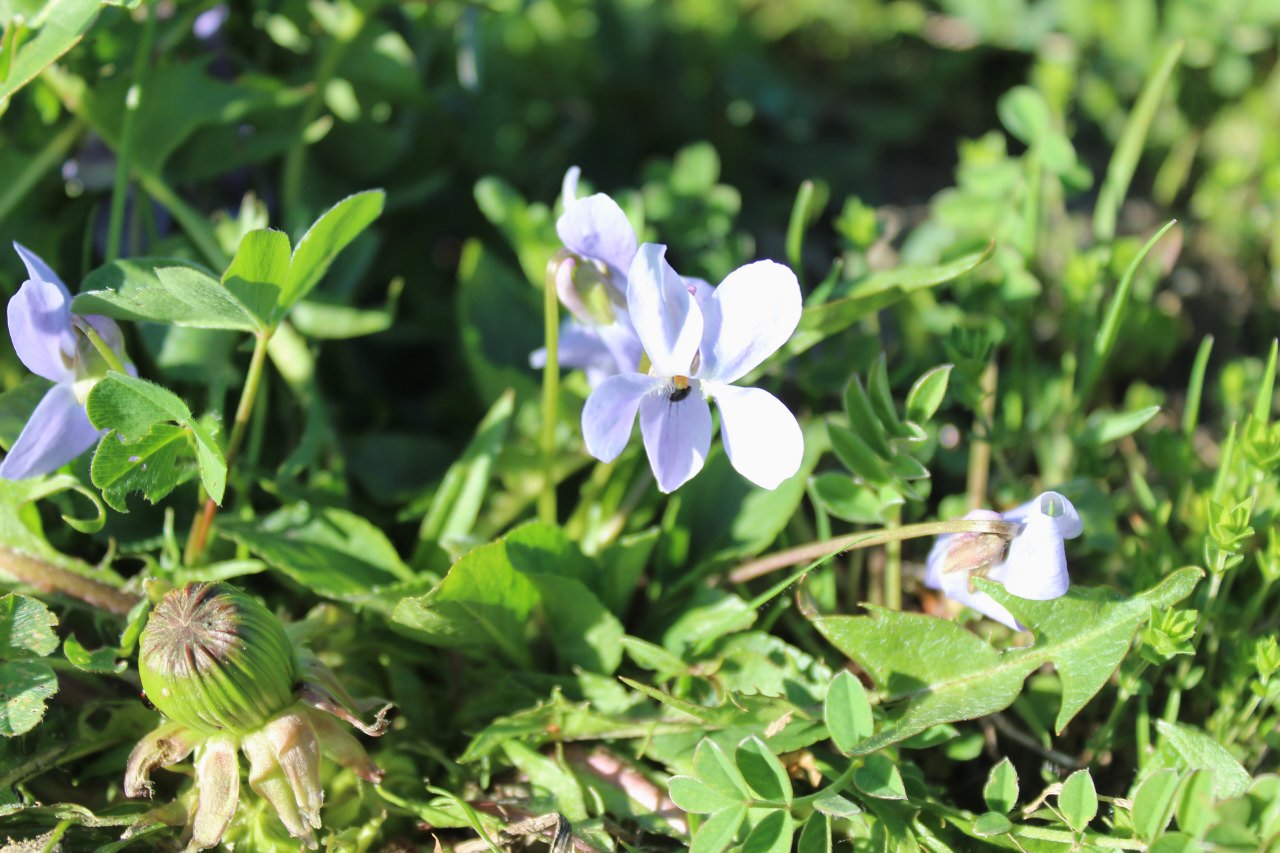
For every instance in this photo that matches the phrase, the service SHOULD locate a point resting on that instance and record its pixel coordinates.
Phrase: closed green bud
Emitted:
(214, 659)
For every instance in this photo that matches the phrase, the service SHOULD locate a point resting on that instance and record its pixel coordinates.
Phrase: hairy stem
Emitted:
(50, 578)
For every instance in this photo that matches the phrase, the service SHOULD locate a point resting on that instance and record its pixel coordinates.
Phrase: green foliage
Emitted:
(26, 682)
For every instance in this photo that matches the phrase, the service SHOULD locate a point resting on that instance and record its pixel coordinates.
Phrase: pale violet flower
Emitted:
(1035, 566)
(696, 352)
(48, 339)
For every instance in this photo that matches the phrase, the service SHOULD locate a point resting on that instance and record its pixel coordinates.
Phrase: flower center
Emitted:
(682, 388)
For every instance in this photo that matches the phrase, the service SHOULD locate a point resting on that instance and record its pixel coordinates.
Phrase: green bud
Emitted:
(214, 659)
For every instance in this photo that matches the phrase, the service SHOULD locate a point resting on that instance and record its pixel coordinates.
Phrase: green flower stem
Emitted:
(837, 785)
(550, 397)
(54, 152)
(49, 578)
(865, 539)
(893, 564)
(108, 355)
(199, 537)
(132, 102)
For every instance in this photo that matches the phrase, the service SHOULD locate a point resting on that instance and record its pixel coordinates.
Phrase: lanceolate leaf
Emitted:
(328, 236)
(931, 671)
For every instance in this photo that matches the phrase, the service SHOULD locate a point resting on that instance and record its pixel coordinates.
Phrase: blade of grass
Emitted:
(1266, 391)
(1195, 388)
(1124, 162)
(1106, 338)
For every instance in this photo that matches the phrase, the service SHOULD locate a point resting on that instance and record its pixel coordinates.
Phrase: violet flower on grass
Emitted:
(1035, 566)
(696, 353)
(53, 343)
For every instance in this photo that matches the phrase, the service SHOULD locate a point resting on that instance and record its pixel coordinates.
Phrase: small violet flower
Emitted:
(696, 352)
(1034, 568)
(52, 343)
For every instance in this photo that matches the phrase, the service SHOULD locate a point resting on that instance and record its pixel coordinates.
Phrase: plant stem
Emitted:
(132, 102)
(50, 578)
(1062, 836)
(248, 395)
(865, 539)
(295, 160)
(550, 393)
(893, 563)
(53, 153)
(108, 355)
(980, 451)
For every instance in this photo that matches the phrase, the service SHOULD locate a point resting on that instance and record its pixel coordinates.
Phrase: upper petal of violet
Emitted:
(40, 329)
(569, 186)
(761, 436)
(37, 269)
(610, 412)
(57, 432)
(748, 317)
(677, 437)
(665, 316)
(1055, 506)
(596, 228)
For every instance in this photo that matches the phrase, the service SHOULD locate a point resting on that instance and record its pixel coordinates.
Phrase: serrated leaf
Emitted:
(933, 671)
(25, 686)
(1001, 791)
(718, 831)
(763, 772)
(696, 797)
(815, 835)
(1197, 751)
(863, 420)
(148, 465)
(927, 393)
(847, 712)
(879, 777)
(26, 628)
(159, 290)
(258, 272)
(1153, 803)
(326, 237)
(131, 406)
(772, 834)
(1078, 800)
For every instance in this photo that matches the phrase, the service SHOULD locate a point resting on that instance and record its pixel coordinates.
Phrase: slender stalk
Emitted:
(893, 564)
(54, 152)
(108, 355)
(50, 578)
(296, 158)
(980, 450)
(865, 539)
(132, 103)
(550, 393)
(248, 395)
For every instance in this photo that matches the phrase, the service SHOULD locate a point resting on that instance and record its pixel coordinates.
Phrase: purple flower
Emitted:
(1034, 568)
(44, 333)
(696, 352)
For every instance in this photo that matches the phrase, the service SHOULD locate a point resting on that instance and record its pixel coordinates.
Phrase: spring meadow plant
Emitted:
(360, 487)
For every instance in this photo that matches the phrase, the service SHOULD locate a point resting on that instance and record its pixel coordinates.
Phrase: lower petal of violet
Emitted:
(761, 436)
(677, 436)
(57, 432)
(610, 412)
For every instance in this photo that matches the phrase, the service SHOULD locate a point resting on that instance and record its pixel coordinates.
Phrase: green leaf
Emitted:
(882, 397)
(696, 797)
(64, 23)
(654, 658)
(762, 770)
(332, 552)
(863, 420)
(327, 236)
(933, 671)
(1192, 749)
(25, 685)
(926, 394)
(1174, 842)
(847, 712)
(877, 291)
(131, 406)
(258, 273)
(26, 628)
(1078, 800)
(1001, 791)
(857, 456)
(103, 661)
(771, 835)
(549, 775)
(836, 806)
(1195, 802)
(815, 835)
(717, 771)
(846, 498)
(1024, 111)
(991, 823)
(158, 291)
(1153, 803)
(879, 777)
(1105, 427)
(148, 465)
(718, 831)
